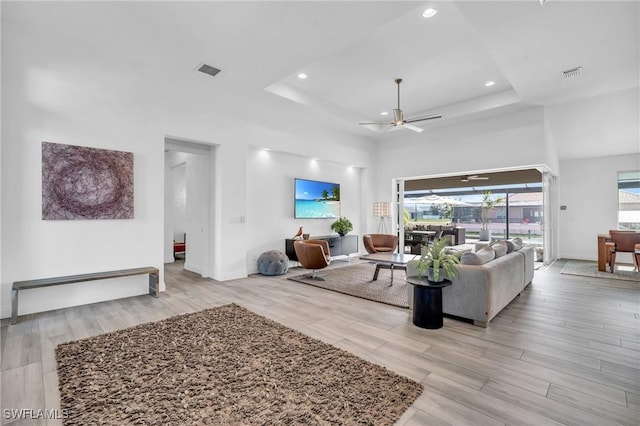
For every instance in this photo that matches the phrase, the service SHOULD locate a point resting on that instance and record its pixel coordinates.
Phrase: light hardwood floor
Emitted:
(566, 352)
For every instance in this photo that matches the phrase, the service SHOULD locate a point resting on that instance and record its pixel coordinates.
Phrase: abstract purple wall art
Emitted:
(86, 183)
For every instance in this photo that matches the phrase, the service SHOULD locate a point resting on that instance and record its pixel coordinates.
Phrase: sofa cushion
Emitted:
(482, 256)
(500, 247)
(478, 246)
(459, 252)
(514, 244)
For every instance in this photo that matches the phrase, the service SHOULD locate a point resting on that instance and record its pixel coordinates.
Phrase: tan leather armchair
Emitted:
(622, 241)
(376, 243)
(313, 254)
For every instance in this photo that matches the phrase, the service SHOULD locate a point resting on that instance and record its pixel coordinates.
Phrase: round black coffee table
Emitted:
(427, 302)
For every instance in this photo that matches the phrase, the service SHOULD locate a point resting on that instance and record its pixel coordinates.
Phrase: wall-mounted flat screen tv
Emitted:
(316, 199)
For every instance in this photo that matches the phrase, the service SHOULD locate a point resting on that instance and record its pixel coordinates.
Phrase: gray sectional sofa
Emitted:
(484, 284)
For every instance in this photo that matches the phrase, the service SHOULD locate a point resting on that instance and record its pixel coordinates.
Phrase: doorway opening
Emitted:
(188, 205)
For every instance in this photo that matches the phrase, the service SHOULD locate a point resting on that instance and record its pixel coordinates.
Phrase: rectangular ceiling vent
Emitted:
(573, 72)
(208, 69)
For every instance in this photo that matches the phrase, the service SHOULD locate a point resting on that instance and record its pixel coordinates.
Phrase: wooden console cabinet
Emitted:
(602, 251)
(338, 246)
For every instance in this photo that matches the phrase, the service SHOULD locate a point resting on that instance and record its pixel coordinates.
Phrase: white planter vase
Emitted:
(484, 235)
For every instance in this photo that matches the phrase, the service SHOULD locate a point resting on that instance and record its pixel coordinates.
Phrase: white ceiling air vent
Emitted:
(208, 69)
(573, 72)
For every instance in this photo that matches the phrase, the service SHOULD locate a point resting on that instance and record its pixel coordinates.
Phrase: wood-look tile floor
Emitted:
(567, 352)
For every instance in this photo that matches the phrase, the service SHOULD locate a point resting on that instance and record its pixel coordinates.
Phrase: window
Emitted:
(629, 200)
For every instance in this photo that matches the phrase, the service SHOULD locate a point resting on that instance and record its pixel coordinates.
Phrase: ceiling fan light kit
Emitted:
(398, 117)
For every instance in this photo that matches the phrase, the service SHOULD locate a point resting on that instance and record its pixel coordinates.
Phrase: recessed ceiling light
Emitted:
(302, 76)
(490, 83)
(429, 13)
(384, 113)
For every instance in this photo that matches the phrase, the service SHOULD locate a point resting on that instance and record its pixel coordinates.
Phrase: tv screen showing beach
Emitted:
(316, 200)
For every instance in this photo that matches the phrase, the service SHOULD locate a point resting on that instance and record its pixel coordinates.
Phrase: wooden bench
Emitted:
(154, 279)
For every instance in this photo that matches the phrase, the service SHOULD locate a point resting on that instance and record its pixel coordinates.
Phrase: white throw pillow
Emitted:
(514, 244)
(482, 256)
(501, 248)
(478, 246)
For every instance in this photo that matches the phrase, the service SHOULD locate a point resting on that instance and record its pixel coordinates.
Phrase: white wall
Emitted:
(551, 159)
(40, 249)
(515, 140)
(197, 211)
(47, 95)
(270, 199)
(589, 189)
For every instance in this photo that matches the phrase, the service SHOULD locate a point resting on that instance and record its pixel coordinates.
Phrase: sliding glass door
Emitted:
(514, 210)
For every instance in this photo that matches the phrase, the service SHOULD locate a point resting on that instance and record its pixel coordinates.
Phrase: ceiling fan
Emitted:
(473, 177)
(398, 118)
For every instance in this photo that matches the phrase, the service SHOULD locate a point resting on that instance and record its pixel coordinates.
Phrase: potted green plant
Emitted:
(342, 226)
(408, 225)
(488, 203)
(438, 261)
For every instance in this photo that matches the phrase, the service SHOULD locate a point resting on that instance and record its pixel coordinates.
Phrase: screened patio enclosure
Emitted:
(518, 210)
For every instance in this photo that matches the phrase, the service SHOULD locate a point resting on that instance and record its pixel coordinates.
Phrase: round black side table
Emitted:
(427, 302)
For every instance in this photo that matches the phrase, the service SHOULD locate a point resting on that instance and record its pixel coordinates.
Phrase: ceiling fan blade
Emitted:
(430, 117)
(380, 127)
(412, 127)
(376, 127)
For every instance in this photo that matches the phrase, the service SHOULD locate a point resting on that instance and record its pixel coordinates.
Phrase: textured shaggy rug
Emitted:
(357, 281)
(223, 366)
(590, 269)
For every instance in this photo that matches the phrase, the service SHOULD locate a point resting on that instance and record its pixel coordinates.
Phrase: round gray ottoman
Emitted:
(273, 262)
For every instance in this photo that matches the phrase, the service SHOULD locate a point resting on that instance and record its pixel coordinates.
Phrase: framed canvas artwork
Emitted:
(80, 183)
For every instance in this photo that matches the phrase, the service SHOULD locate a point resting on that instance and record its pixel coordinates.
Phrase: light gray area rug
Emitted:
(356, 280)
(223, 366)
(587, 268)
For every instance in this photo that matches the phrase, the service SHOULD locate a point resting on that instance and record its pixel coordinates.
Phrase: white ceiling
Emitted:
(522, 46)
(352, 52)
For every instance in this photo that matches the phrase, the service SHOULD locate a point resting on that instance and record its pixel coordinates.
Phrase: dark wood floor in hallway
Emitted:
(567, 352)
